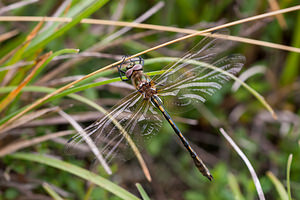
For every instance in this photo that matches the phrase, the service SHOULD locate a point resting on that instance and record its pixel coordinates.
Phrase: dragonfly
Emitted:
(181, 84)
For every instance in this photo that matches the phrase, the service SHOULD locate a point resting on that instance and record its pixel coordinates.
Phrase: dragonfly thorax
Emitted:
(143, 84)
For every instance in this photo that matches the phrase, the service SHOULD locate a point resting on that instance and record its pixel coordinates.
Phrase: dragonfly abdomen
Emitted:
(198, 162)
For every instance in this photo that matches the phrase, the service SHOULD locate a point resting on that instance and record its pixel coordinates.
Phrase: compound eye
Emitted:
(137, 67)
(128, 73)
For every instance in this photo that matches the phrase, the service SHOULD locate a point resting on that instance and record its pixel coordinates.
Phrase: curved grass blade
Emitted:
(234, 186)
(142, 192)
(279, 187)
(87, 140)
(51, 192)
(257, 184)
(288, 174)
(80, 172)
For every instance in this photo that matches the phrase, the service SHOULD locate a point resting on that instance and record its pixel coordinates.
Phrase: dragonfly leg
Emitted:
(121, 72)
(141, 60)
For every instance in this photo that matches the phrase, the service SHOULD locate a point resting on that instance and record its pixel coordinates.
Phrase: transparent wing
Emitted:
(184, 83)
(133, 113)
(207, 50)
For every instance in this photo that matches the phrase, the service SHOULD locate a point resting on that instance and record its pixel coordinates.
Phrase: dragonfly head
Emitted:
(132, 67)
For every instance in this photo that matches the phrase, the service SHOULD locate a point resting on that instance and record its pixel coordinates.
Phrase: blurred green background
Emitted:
(266, 142)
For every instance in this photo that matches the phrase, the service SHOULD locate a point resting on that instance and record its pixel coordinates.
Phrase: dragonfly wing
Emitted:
(133, 113)
(207, 50)
(184, 83)
(96, 128)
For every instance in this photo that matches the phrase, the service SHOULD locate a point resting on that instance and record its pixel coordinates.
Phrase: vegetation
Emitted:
(59, 73)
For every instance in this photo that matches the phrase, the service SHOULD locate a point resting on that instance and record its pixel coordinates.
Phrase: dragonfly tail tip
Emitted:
(210, 177)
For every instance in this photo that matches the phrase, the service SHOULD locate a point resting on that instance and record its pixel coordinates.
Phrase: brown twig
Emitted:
(274, 6)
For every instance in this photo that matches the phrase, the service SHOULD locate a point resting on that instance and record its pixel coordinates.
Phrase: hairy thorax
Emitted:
(143, 84)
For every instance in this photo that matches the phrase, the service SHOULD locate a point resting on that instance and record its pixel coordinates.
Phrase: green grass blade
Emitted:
(279, 187)
(234, 186)
(86, 13)
(30, 78)
(291, 70)
(142, 192)
(87, 196)
(57, 53)
(288, 174)
(51, 192)
(75, 10)
(45, 90)
(80, 172)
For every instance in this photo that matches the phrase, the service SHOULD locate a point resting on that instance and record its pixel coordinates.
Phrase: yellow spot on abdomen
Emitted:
(161, 108)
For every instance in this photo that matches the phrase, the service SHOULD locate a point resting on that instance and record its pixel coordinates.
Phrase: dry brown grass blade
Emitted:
(29, 117)
(190, 31)
(275, 6)
(16, 91)
(8, 55)
(34, 32)
(30, 36)
(11, 148)
(10, 34)
(68, 8)
(173, 29)
(97, 47)
(41, 100)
